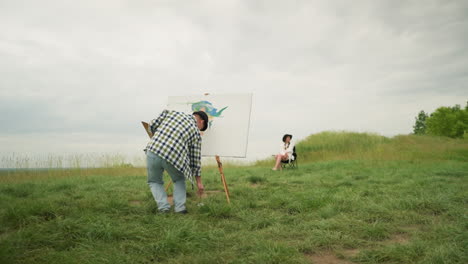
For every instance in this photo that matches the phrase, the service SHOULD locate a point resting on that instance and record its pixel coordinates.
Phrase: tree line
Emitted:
(444, 121)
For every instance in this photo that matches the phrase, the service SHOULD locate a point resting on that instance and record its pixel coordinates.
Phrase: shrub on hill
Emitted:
(445, 121)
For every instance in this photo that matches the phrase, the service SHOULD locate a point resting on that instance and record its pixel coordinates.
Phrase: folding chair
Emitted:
(290, 164)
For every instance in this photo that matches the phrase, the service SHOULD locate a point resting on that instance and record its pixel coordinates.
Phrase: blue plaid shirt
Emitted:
(176, 138)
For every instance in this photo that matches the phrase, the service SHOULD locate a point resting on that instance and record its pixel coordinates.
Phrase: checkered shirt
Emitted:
(176, 138)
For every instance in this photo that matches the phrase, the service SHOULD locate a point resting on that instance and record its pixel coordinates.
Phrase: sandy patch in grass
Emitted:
(401, 239)
(351, 253)
(330, 258)
(326, 258)
(135, 202)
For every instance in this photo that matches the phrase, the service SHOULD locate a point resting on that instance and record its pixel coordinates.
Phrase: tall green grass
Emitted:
(406, 205)
(25, 167)
(63, 161)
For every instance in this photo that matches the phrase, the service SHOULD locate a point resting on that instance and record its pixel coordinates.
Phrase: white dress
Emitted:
(284, 149)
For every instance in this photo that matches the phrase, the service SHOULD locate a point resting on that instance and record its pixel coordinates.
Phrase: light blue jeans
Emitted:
(156, 166)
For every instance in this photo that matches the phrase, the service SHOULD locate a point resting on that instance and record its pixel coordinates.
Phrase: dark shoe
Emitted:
(182, 212)
(163, 211)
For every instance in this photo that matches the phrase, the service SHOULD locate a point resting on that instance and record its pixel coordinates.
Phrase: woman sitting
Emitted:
(286, 152)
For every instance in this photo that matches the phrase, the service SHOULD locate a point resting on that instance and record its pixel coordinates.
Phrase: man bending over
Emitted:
(176, 148)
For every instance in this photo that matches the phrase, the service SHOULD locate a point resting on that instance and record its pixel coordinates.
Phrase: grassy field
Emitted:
(356, 198)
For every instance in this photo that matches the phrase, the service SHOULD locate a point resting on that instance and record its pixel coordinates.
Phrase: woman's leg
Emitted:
(285, 157)
(276, 163)
(279, 157)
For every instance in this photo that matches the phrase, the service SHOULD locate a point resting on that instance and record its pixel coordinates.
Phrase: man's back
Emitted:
(176, 138)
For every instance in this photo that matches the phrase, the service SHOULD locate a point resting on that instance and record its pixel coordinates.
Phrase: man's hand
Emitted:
(200, 186)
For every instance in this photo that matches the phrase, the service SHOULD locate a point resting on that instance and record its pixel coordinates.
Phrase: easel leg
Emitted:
(223, 179)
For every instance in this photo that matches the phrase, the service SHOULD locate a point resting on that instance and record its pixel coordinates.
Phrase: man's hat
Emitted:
(204, 117)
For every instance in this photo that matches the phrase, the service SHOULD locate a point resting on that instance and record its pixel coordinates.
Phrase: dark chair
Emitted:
(290, 164)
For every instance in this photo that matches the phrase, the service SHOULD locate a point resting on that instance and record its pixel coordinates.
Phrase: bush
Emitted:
(448, 121)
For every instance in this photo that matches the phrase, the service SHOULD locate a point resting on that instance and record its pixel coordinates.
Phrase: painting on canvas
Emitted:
(229, 120)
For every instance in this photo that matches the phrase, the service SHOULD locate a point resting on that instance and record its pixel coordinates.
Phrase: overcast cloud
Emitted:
(78, 76)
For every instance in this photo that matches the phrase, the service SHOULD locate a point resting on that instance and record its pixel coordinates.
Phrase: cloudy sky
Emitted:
(78, 76)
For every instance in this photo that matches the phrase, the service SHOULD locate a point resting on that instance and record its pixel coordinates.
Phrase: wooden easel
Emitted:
(223, 179)
(220, 167)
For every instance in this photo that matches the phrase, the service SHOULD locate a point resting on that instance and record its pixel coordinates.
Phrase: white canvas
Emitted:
(227, 134)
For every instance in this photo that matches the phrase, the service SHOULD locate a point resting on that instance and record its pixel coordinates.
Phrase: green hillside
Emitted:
(364, 146)
(356, 198)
